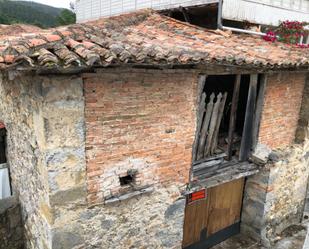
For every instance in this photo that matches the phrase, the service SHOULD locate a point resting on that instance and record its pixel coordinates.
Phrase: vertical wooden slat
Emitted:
(205, 126)
(196, 216)
(189, 225)
(259, 109)
(200, 113)
(214, 143)
(233, 115)
(247, 135)
(212, 125)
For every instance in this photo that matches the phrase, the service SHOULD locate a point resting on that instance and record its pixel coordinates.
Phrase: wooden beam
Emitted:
(185, 14)
(259, 109)
(247, 135)
(233, 115)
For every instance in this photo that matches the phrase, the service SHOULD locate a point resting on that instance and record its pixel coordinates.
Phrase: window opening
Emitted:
(5, 181)
(227, 121)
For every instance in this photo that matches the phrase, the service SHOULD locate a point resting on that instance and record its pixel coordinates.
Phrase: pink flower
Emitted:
(270, 36)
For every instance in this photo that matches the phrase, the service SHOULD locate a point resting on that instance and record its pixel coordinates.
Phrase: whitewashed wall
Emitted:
(92, 9)
(257, 11)
(269, 12)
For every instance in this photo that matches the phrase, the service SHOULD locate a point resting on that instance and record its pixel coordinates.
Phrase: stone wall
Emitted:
(21, 102)
(142, 121)
(44, 117)
(153, 220)
(61, 129)
(69, 141)
(11, 227)
(282, 104)
(274, 198)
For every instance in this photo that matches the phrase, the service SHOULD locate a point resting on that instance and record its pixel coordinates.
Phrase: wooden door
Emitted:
(214, 219)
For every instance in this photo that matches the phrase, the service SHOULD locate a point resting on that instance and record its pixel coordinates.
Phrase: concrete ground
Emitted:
(291, 238)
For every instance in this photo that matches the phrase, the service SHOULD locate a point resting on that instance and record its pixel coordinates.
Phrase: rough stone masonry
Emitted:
(11, 226)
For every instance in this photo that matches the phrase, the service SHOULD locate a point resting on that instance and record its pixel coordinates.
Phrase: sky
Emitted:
(56, 3)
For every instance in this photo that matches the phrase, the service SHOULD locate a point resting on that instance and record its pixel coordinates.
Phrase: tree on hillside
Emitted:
(66, 17)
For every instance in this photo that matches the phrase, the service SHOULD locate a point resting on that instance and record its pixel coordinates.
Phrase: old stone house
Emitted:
(140, 131)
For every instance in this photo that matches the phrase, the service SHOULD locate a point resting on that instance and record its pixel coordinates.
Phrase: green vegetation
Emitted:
(33, 13)
(66, 17)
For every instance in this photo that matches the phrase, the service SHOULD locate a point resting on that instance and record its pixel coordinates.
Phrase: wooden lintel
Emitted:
(233, 115)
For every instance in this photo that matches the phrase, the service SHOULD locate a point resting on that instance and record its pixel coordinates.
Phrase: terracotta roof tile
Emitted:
(143, 37)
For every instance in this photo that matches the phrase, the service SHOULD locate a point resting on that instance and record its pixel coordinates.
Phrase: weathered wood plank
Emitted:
(205, 127)
(216, 169)
(185, 14)
(259, 109)
(212, 125)
(214, 143)
(189, 236)
(227, 174)
(200, 113)
(207, 165)
(224, 209)
(233, 115)
(247, 135)
(217, 156)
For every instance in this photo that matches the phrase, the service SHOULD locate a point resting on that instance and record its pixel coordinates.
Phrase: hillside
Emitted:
(28, 13)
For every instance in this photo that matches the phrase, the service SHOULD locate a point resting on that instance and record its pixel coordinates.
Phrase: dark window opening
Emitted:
(2, 145)
(217, 84)
(227, 122)
(206, 16)
(203, 16)
(126, 180)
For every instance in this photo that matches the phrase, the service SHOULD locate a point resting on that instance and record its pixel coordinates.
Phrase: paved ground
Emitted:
(292, 238)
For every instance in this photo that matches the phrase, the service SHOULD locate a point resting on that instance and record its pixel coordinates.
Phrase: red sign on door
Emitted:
(199, 195)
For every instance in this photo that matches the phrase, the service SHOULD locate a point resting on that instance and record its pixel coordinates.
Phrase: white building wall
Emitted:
(268, 12)
(92, 9)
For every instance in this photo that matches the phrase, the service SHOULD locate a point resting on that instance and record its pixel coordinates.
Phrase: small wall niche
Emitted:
(126, 180)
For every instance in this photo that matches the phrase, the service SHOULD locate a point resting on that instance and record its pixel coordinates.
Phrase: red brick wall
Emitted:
(142, 120)
(281, 109)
